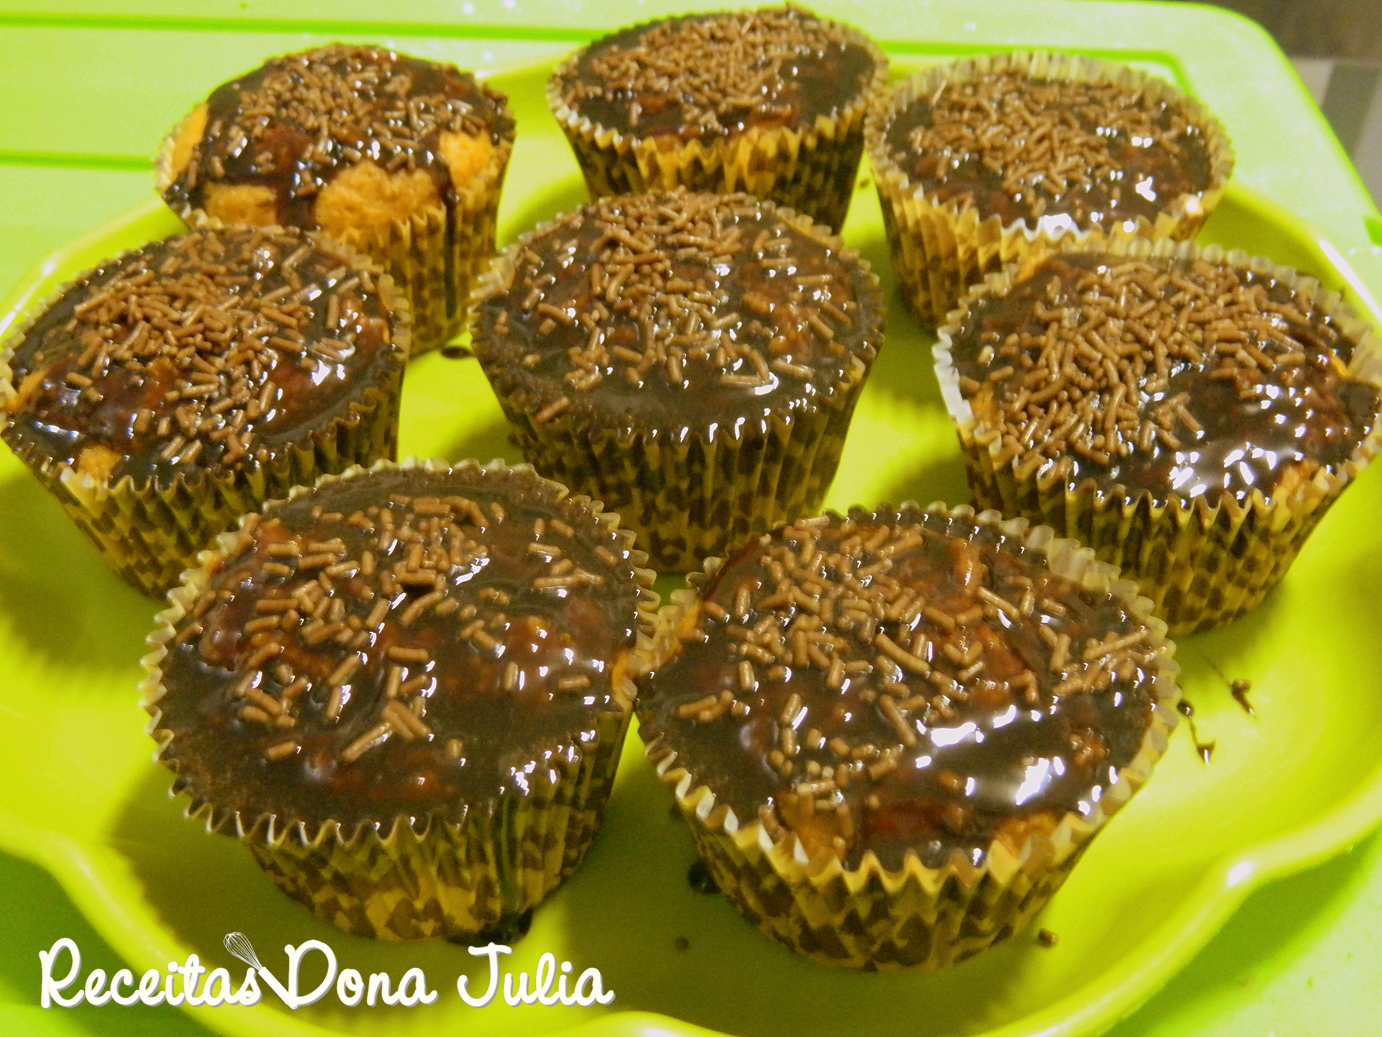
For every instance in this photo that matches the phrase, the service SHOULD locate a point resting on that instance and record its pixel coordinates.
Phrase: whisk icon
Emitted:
(239, 945)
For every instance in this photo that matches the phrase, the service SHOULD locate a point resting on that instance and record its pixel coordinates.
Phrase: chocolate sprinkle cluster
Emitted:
(1021, 147)
(435, 638)
(876, 684)
(296, 120)
(714, 296)
(710, 75)
(1182, 375)
(199, 350)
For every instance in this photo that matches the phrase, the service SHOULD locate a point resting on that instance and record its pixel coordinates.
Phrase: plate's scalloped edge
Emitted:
(84, 870)
(1212, 901)
(81, 253)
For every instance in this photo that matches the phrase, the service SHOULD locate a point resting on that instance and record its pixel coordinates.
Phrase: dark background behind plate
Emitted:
(1336, 48)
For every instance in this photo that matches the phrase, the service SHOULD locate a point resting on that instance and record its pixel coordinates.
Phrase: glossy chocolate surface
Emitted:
(208, 349)
(1019, 147)
(678, 310)
(296, 121)
(903, 683)
(401, 643)
(1185, 378)
(708, 76)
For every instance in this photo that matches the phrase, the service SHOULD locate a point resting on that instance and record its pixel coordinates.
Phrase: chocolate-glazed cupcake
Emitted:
(401, 158)
(894, 734)
(988, 159)
(770, 101)
(692, 360)
(170, 390)
(406, 691)
(1190, 415)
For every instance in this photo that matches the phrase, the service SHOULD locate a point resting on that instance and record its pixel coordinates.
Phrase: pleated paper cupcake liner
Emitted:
(690, 489)
(149, 531)
(1201, 565)
(448, 879)
(809, 168)
(464, 872)
(687, 494)
(939, 249)
(877, 918)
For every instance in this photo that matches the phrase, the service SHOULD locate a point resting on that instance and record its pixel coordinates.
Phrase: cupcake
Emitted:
(894, 734)
(771, 102)
(988, 159)
(400, 158)
(168, 391)
(1188, 414)
(692, 360)
(406, 691)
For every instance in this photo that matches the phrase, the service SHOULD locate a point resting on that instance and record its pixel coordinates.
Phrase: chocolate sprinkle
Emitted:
(298, 120)
(916, 684)
(713, 75)
(212, 349)
(435, 677)
(1024, 147)
(1166, 376)
(705, 302)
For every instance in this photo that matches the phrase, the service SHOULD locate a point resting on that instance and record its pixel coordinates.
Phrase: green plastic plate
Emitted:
(1289, 786)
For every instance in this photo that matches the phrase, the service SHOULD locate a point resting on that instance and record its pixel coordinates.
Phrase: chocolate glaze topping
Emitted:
(296, 121)
(401, 643)
(902, 683)
(1179, 377)
(1017, 148)
(208, 349)
(714, 75)
(693, 305)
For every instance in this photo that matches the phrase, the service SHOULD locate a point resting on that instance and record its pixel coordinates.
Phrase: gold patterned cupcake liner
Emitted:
(448, 879)
(429, 877)
(150, 532)
(686, 494)
(691, 491)
(877, 918)
(1201, 565)
(433, 255)
(939, 249)
(808, 168)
